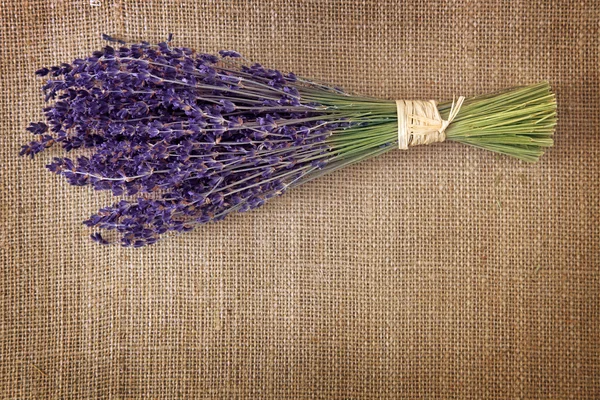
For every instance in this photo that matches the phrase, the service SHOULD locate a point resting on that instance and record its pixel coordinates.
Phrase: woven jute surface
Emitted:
(439, 272)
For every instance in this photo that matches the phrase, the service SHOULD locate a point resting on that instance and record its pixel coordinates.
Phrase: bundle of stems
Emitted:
(184, 138)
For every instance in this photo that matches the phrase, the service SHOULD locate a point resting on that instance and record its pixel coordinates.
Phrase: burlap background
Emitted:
(440, 272)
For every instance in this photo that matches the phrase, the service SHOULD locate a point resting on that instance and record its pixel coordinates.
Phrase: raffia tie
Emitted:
(419, 122)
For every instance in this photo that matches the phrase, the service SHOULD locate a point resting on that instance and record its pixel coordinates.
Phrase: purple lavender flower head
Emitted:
(183, 138)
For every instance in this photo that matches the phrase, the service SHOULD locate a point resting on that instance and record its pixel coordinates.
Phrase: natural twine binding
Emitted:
(419, 122)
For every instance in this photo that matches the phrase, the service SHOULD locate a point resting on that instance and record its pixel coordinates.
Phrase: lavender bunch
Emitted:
(185, 138)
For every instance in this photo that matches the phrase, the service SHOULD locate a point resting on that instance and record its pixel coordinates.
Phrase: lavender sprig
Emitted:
(187, 138)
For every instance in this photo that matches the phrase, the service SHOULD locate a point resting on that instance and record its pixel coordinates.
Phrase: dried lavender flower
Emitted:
(189, 138)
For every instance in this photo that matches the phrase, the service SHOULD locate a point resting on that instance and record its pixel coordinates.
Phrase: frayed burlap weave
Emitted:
(441, 272)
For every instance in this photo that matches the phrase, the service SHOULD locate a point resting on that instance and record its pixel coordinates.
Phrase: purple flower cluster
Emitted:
(182, 137)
